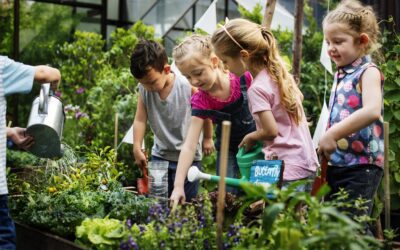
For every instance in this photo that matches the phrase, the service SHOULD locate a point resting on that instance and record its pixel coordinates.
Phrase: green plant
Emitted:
(321, 226)
(101, 233)
(391, 72)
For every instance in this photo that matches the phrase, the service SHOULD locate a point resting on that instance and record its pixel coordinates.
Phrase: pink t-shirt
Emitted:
(293, 143)
(202, 100)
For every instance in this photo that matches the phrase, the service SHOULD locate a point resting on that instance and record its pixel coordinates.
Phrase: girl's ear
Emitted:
(214, 61)
(167, 68)
(364, 39)
(244, 54)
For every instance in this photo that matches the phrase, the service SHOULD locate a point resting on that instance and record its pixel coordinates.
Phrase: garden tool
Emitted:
(245, 159)
(195, 174)
(321, 179)
(46, 123)
(143, 183)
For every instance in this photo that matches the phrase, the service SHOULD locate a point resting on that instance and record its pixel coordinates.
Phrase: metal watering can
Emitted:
(46, 123)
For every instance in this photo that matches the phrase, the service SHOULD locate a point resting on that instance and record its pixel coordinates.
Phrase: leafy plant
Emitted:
(391, 72)
(101, 233)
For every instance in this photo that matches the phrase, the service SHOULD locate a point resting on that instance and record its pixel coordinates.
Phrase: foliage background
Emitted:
(97, 84)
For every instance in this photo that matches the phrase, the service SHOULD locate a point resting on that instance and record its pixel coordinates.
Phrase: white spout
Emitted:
(195, 174)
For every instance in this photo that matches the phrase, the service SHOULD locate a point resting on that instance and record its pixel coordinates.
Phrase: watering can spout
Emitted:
(194, 174)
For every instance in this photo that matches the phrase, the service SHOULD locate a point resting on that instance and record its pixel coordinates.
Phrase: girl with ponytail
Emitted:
(275, 100)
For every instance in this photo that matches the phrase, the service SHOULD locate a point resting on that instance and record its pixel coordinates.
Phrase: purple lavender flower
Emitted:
(129, 223)
(226, 246)
(68, 108)
(58, 93)
(80, 90)
(133, 244)
(80, 114)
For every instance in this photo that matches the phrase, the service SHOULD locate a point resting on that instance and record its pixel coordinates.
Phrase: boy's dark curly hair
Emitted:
(146, 55)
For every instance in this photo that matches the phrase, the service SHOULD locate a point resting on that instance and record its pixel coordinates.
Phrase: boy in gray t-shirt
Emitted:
(163, 102)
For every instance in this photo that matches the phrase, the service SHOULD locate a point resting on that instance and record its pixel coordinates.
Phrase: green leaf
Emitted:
(270, 215)
(393, 96)
(397, 177)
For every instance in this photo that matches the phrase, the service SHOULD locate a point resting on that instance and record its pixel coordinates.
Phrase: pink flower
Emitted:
(80, 90)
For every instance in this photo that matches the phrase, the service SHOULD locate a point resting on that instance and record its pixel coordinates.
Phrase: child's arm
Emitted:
(139, 130)
(45, 74)
(370, 112)
(186, 158)
(268, 132)
(208, 142)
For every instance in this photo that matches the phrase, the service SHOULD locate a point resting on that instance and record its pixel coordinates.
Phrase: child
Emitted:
(164, 101)
(274, 98)
(220, 97)
(353, 142)
(15, 78)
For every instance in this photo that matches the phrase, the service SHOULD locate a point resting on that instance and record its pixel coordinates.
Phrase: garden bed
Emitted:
(30, 238)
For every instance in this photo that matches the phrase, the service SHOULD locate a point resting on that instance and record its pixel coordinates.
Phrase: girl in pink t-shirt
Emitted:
(221, 96)
(274, 98)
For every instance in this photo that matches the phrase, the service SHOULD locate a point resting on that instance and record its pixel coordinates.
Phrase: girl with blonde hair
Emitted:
(353, 142)
(221, 96)
(274, 98)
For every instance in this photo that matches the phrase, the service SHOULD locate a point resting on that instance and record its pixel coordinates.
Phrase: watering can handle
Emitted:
(44, 98)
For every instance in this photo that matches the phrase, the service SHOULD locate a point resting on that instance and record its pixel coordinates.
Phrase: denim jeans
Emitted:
(7, 229)
(359, 181)
(302, 188)
(191, 188)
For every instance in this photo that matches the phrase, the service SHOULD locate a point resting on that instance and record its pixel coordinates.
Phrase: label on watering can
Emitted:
(266, 171)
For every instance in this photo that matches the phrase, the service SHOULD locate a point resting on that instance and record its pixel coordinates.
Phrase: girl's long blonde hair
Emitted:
(241, 34)
(359, 19)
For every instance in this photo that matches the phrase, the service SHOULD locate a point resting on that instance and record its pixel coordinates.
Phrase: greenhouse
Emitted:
(199, 124)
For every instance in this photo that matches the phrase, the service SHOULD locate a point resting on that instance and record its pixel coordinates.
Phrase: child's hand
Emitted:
(18, 136)
(177, 196)
(208, 146)
(247, 142)
(140, 158)
(54, 85)
(327, 145)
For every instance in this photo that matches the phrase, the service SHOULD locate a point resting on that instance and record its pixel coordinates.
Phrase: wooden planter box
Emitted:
(29, 238)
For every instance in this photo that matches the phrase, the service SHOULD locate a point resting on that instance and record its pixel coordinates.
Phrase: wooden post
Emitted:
(223, 164)
(386, 175)
(269, 13)
(298, 39)
(116, 132)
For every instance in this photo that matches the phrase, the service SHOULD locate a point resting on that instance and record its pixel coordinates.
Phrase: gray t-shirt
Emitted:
(169, 119)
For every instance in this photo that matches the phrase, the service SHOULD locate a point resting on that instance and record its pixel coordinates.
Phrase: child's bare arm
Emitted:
(268, 132)
(208, 142)
(139, 130)
(186, 158)
(370, 112)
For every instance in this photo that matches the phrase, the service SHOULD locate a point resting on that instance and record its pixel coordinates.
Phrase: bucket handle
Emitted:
(44, 98)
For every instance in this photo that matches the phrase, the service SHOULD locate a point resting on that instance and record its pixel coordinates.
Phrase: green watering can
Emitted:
(244, 160)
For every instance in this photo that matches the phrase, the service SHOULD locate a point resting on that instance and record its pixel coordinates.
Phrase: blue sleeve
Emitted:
(17, 77)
